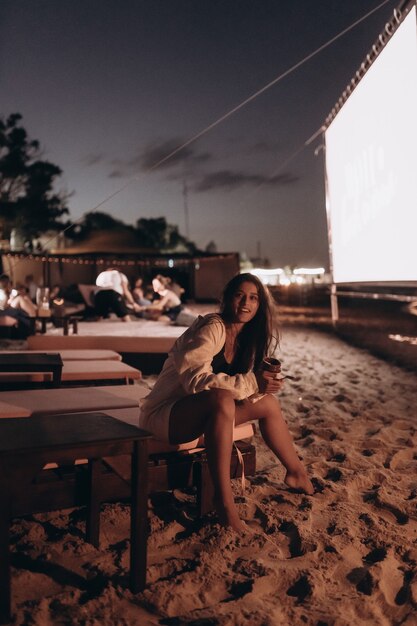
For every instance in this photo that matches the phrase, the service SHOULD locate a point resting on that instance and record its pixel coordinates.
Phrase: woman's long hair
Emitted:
(259, 337)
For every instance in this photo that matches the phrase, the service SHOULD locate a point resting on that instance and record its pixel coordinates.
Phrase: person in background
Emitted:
(138, 293)
(31, 287)
(176, 288)
(113, 295)
(214, 378)
(17, 304)
(168, 303)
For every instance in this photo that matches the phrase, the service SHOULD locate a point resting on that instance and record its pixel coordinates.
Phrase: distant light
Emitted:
(309, 270)
(171, 263)
(404, 339)
(258, 271)
(284, 281)
(300, 280)
(268, 276)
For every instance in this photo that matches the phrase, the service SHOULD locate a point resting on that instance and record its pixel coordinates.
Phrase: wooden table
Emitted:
(36, 362)
(66, 321)
(26, 445)
(62, 321)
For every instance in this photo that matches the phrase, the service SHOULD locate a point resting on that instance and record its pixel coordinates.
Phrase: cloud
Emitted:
(154, 154)
(92, 159)
(157, 152)
(116, 174)
(230, 180)
(263, 147)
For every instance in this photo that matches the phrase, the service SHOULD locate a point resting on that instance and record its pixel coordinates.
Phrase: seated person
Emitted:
(213, 378)
(168, 304)
(176, 288)
(31, 287)
(138, 293)
(113, 295)
(17, 304)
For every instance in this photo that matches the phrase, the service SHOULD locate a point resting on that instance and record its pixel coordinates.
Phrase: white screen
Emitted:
(371, 168)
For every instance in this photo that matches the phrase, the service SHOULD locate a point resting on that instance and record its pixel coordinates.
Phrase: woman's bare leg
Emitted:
(24, 303)
(278, 438)
(211, 412)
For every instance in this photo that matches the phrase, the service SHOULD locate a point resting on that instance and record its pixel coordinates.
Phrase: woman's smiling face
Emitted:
(245, 303)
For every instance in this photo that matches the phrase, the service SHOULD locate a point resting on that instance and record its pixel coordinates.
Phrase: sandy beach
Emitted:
(345, 556)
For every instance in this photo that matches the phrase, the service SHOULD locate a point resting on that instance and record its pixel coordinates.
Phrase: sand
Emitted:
(345, 556)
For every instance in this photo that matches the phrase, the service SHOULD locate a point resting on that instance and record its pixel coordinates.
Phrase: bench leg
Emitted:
(139, 516)
(205, 487)
(93, 503)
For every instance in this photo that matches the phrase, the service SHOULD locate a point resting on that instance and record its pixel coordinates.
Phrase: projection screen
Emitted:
(371, 169)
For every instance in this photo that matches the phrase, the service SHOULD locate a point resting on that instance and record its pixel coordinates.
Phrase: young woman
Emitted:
(169, 302)
(213, 379)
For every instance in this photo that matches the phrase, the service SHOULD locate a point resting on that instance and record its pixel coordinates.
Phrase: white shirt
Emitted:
(4, 299)
(112, 279)
(188, 369)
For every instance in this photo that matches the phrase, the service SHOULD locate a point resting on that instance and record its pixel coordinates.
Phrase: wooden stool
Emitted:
(27, 445)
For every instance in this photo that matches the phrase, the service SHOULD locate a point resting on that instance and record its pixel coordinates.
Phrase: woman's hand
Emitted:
(269, 382)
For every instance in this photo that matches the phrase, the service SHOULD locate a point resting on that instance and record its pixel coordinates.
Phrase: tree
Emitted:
(27, 199)
(158, 234)
(93, 222)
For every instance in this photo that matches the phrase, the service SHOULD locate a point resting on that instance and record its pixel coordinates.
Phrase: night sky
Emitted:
(110, 86)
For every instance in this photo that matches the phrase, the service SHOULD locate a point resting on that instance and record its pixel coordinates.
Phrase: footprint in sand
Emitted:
(338, 457)
(301, 589)
(362, 579)
(334, 474)
(399, 459)
(368, 452)
(375, 556)
(367, 519)
(373, 497)
(296, 546)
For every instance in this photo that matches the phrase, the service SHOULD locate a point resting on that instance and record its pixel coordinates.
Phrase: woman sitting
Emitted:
(168, 304)
(213, 379)
(138, 293)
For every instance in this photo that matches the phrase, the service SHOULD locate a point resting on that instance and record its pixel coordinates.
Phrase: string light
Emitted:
(148, 261)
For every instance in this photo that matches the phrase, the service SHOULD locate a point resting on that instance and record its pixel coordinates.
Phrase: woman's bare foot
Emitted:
(229, 518)
(300, 481)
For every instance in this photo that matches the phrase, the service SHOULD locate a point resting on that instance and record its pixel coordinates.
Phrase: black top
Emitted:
(219, 364)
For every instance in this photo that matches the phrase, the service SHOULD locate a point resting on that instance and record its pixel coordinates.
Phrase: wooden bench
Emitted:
(73, 373)
(143, 352)
(74, 355)
(170, 467)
